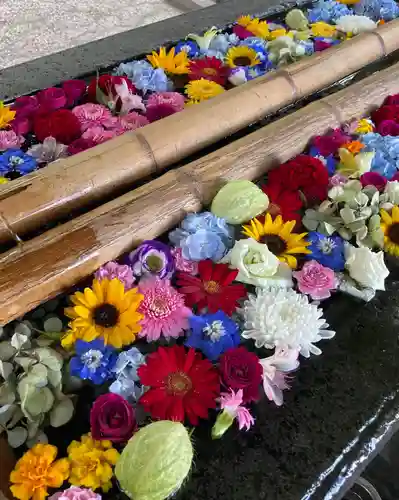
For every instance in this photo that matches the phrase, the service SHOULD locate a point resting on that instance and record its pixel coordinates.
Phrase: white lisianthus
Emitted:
(366, 267)
(258, 266)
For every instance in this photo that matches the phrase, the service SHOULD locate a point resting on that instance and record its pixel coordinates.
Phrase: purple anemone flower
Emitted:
(152, 257)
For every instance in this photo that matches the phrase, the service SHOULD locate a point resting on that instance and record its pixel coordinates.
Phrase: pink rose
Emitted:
(9, 139)
(75, 493)
(98, 134)
(91, 115)
(316, 280)
(112, 418)
(51, 99)
(373, 179)
(388, 127)
(74, 90)
(112, 270)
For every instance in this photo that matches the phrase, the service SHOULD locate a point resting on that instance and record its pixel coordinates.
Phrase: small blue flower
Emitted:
(15, 160)
(223, 42)
(386, 150)
(213, 334)
(329, 161)
(188, 46)
(93, 361)
(145, 77)
(327, 250)
(127, 383)
(327, 11)
(203, 236)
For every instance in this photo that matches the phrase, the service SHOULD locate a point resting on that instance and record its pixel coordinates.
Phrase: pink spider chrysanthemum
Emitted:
(164, 310)
(231, 403)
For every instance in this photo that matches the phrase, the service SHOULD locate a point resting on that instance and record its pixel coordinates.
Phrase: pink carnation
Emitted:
(112, 270)
(337, 180)
(316, 280)
(98, 134)
(232, 404)
(9, 139)
(91, 115)
(164, 104)
(163, 308)
(131, 121)
(51, 99)
(182, 264)
(75, 493)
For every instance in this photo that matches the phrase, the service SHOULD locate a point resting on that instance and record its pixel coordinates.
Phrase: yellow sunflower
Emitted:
(106, 310)
(390, 228)
(279, 238)
(241, 56)
(7, 115)
(171, 63)
(254, 25)
(201, 90)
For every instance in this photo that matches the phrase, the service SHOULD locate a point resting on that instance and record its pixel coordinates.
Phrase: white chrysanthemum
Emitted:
(277, 317)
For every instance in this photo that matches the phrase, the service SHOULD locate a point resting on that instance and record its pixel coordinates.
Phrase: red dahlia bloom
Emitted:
(210, 68)
(212, 288)
(389, 112)
(61, 124)
(182, 384)
(284, 203)
(392, 99)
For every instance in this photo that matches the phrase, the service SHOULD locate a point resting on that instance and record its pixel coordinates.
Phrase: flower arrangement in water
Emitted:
(61, 121)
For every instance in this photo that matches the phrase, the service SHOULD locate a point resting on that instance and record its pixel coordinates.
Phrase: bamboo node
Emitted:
(146, 145)
(12, 233)
(382, 42)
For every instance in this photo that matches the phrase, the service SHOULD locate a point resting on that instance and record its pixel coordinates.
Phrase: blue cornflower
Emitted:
(386, 148)
(145, 77)
(327, 250)
(329, 161)
(93, 361)
(188, 46)
(213, 334)
(15, 160)
(377, 9)
(327, 11)
(203, 236)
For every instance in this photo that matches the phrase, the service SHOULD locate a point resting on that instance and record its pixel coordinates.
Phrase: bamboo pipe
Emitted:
(49, 264)
(52, 192)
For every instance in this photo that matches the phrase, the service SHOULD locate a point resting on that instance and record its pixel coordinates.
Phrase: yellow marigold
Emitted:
(364, 126)
(171, 63)
(92, 463)
(201, 90)
(323, 29)
(254, 25)
(36, 471)
(6, 115)
(106, 310)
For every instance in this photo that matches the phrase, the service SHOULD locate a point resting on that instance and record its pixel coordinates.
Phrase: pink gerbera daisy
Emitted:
(163, 308)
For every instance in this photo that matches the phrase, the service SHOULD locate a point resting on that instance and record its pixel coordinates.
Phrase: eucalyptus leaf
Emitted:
(19, 341)
(24, 328)
(6, 413)
(40, 437)
(33, 428)
(44, 341)
(61, 413)
(52, 324)
(49, 357)
(17, 436)
(37, 375)
(54, 377)
(25, 362)
(7, 394)
(7, 351)
(39, 401)
(6, 369)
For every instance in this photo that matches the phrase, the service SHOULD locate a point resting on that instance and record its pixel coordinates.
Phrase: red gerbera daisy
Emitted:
(213, 288)
(210, 68)
(284, 203)
(182, 384)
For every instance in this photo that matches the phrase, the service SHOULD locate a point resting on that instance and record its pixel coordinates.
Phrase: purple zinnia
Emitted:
(154, 258)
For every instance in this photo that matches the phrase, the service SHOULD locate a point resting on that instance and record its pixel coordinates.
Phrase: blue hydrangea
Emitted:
(308, 46)
(213, 334)
(188, 46)
(327, 11)
(127, 383)
(222, 42)
(15, 160)
(145, 77)
(386, 148)
(329, 161)
(377, 9)
(327, 250)
(203, 236)
(94, 361)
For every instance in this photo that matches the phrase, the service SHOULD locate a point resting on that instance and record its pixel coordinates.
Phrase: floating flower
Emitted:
(241, 56)
(279, 238)
(50, 150)
(323, 29)
(145, 77)
(209, 68)
(102, 90)
(169, 61)
(327, 250)
(182, 264)
(107, 311)
(74, 91)
(90, 115)
(112, 418)
(131, 121)
(128, 100)
(316, 280)
(240, 369)
(75, 493)
(283, 202)
(126, 383)
(275, 368)
(7, 115)
(80, 145)
(91, 463)
(51, 98)
(366, 267)
(284, 318)
(112, 270)
(98, 134)
(182, 384)
(201, 90)
(61, 124)
(390, 197)
(327, 11)
(93, 361)
(248, 26)
(232, 405)
(355, 24)
(373, 179)
(354, 165)
(37, 471)
(3, 180)
(390, 228)
(364, 126)
(386, 153)
(213, 288)
(25, 106)
(163, 104)
(204, 41)
(329, 143)
(353, 147)
(213, 334)
(15, 160)
(163, 310)
(191, 48)
(152, 257)
(10, 140)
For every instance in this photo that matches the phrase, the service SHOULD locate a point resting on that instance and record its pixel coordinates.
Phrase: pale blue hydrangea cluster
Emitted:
(377, 9)
(127, 383)
(145, 77)
(203, 236)
(386, 159)
(328, 11)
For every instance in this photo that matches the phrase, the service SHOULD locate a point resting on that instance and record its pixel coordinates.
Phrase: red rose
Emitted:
(112, 418)
(61, 124)
(106, 83)
(388, 127)
(240, 369)
(51, 99)
(390, 112)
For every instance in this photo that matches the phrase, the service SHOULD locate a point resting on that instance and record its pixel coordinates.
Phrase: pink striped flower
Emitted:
(9, 139)
(91, 115)
(98, 134)
(231, 402)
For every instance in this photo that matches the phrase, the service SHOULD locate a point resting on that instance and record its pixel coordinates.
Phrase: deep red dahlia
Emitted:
(212, 288)
(106, 83)
(61, 124)
(284, 203)
(304, 173)
(210, 68)
(389, 112)
(392, 99)
(182, 384)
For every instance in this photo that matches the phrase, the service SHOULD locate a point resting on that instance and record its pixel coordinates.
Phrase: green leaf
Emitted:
(50, 358)
(40, 437)
(54, 377)
(19, 341)
(6, 413)
(7, 351)
(6, 369)
(39, 401)
(7, 394)
(61, 413)
(25, 362)
(17, 436)
(52, 324)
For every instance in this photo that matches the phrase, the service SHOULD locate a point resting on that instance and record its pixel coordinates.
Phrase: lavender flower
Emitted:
(145, 77)
(112, 270)
(152, 257)
(50, 150)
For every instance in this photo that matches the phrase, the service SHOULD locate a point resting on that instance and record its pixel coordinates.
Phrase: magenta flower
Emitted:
(232, 404)
(131, 121)
(91, 115)
(74, 90)
(98, 134)
(182, 264)
(22, 125)
(388, 127)
(152, 257)
(9, 139)
(164, 104)
(316, 280)
(275, 369)
(373, 179)
(75, 493)
(51, 99)
(79, 145)
(112, 270)
(163, 308)
(329, 143)
(128, 100)
(26, 106)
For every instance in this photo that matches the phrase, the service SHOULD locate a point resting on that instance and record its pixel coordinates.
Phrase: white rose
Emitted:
(258, 266)
(366, 267)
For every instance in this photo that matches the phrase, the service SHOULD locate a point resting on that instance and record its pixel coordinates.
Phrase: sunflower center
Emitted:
(106, 315)
(210, 71)
(211, 286)
(393, 233)
(242, 61)
(154, 263)
(178, 384)
(274, 243)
